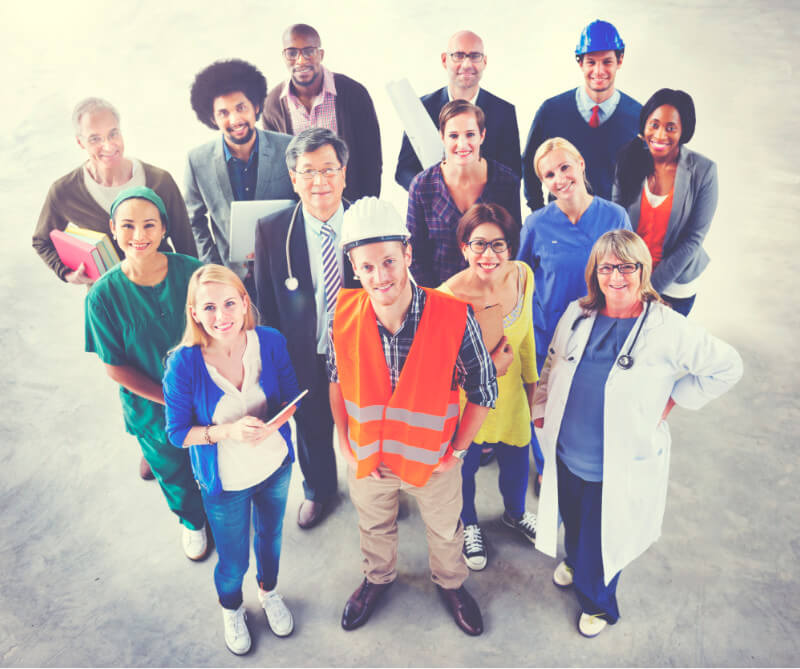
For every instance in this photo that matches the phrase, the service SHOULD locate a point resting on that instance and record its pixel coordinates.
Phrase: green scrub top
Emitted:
(128, 324)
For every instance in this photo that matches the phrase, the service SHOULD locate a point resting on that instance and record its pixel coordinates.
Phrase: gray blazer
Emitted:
(693, 205)
(208, 192)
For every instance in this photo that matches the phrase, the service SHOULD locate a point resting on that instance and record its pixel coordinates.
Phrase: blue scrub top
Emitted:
(557, 251)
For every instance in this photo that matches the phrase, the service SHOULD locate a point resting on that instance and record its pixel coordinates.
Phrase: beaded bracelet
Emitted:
(208, 434)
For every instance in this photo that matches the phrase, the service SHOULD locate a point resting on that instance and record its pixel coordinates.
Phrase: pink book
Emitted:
(73, 252)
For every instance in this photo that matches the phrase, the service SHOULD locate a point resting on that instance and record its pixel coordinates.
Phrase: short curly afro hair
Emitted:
(221, 78)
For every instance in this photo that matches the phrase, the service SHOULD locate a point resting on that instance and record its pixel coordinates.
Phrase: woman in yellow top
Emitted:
(488, 238)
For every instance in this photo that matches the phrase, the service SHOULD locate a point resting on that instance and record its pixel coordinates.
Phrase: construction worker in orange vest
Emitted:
(397, 355)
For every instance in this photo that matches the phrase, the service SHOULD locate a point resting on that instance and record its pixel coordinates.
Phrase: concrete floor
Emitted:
(91, 568)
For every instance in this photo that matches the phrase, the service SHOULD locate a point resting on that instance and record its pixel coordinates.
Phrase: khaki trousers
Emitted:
(439, 500)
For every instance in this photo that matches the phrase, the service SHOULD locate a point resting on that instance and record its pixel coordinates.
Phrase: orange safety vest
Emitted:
(408, 430)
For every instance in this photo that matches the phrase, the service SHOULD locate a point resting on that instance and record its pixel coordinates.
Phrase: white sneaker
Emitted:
(195, 543)
(591, 625)
(279, 618)
(563, 575)
(237, 636)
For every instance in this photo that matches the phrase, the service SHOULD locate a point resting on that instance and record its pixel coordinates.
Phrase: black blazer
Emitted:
(502, 134)
(293, 312)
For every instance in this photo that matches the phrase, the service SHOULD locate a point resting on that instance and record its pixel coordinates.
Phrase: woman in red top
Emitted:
(670, 193)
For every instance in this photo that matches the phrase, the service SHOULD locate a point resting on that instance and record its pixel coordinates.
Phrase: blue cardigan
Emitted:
(191, 397)
(559, 117)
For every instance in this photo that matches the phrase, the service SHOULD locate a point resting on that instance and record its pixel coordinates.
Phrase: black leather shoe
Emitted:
(362, 603)
(310, 513)
(144, 470)
(464, 609)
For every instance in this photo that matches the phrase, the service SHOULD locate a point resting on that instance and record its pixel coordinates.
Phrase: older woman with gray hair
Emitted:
(84, 195)
(619, 361)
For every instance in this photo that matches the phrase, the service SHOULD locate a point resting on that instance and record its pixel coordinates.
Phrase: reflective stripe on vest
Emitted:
(408, 430)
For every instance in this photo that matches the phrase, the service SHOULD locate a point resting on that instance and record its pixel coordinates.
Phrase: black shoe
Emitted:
(487, 456)
(464, 609)
(310, 513)
(362, 603)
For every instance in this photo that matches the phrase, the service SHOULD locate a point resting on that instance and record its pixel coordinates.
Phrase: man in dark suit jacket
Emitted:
(313, 96)
(244, 164)
(295, 299)
(465, 61)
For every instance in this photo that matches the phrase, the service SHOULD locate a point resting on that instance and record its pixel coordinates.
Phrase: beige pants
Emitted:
(439, 500)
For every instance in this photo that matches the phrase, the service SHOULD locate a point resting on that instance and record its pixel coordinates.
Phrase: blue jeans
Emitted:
(580, 504)
(229, 519)
(514, 464)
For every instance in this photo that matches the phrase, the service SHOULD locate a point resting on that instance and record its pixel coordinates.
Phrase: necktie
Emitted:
(594, 122)
(330, 268)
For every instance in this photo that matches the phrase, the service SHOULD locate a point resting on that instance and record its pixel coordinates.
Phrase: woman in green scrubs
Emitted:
(134, 315)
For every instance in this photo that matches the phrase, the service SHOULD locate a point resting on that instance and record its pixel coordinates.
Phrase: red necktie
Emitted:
(594, 122)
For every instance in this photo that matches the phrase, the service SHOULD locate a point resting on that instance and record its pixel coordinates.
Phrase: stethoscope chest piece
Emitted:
(625, 361)
(291, 283)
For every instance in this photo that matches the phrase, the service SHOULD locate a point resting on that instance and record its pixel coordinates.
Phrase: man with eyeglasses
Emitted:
(313, 96)
(243, 164)
(596, 117)
(465, 60)
(299, 269)
(84, 196)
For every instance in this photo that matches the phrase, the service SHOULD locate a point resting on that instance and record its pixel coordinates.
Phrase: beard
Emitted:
(243, 140)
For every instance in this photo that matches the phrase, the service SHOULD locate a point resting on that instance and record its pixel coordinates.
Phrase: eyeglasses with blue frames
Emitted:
(326, 173)
(479, 246)
(622, 268)
(459, 56)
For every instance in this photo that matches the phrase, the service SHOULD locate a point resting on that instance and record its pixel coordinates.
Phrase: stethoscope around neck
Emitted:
(624, 361)
(291, 281)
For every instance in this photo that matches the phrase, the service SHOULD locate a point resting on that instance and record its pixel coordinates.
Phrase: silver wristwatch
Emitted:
(460, 454)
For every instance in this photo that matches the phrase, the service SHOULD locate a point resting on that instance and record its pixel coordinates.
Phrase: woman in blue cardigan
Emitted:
(220, 385)
(670, 193)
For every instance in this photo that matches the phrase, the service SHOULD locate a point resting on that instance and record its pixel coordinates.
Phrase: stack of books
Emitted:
(76, 245)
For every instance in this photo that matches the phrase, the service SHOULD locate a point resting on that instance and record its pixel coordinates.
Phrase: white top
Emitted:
(105, 195)
(654, 200)
(313, 240)
(242, 465)
(474, 100)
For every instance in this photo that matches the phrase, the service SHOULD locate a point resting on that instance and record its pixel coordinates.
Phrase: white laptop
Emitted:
(244, 217)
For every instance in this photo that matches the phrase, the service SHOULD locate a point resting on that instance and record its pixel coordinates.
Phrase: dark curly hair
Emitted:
(221, 78)
(634, 161)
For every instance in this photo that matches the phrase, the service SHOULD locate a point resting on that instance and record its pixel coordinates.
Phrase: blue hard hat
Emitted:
(599, 36)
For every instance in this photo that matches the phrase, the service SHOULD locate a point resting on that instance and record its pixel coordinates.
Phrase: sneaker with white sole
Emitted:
(474, 550)
(237, 636)
(526, 525)
(591, 625)
(195, 543)
(563, 575)
(279, 618)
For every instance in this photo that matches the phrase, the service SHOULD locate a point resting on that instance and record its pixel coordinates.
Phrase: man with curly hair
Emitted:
(245, 164)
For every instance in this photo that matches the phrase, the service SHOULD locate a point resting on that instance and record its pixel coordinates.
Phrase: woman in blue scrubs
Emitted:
(556, 241)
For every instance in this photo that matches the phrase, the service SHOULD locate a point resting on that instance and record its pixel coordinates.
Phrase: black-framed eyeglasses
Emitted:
(309, 52)
(459, 56)
(327, 173)
(622, 268)
(479, 246)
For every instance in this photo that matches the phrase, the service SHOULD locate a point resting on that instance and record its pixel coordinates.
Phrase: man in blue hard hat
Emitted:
(596, 117)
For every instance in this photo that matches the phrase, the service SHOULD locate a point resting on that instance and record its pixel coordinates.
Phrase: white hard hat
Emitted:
(371, 220)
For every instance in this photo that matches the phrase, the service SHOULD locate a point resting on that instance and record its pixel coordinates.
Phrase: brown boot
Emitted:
(144, 470)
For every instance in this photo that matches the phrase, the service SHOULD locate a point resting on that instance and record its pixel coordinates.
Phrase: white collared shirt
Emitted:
(585, 104)
(313, 228)
(474, 100)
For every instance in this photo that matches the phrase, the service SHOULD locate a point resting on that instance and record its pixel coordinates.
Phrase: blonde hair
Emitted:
(629, 248)
(554, 144)
(194, 333)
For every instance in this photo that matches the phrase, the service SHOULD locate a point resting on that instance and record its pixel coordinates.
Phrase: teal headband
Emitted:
(143, 193)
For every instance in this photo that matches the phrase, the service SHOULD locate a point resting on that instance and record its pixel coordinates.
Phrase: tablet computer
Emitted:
(244, 217)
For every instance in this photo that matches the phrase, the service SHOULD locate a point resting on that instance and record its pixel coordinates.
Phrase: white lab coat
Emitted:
(672, 357)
